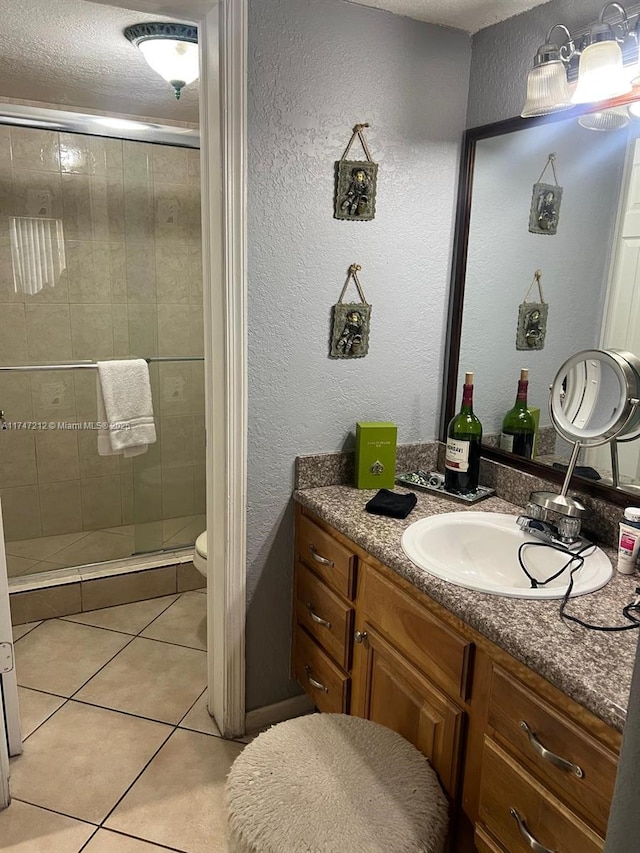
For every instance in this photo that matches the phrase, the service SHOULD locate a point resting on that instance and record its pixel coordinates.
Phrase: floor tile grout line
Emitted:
(134, 837)
(83, 535)
(131, 639)
(65, 699)
(130, 786)
(26, 634)
(191, 707)
(180, 594)
(56, 811)
(169, 643)
(126, 713)
(89, 839)
(67, 617)
(97, 627)
(60, 550)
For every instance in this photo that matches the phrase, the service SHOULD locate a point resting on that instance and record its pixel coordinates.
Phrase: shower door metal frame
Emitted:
(10, 734)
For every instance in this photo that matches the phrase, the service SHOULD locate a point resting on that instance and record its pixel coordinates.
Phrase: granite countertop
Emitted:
(592, 667)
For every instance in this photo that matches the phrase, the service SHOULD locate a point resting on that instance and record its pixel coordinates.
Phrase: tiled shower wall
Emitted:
(132, 287)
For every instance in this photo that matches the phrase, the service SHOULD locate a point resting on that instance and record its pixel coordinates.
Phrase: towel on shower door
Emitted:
(125, 404)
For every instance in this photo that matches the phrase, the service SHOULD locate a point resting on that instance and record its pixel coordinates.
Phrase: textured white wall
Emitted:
(316, 67)
(503, 256)
(503, 56)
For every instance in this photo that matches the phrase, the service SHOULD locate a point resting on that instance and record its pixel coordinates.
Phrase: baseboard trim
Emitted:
(268, 715)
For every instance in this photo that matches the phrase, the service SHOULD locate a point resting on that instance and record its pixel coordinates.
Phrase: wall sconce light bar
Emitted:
(596, 56)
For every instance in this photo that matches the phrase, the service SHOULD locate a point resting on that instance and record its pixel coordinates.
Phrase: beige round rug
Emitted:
(329, 783)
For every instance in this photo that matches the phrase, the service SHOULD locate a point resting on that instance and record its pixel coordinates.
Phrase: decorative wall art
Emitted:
(350, 325)
(355, 197)
(532, 319)
(545, 202)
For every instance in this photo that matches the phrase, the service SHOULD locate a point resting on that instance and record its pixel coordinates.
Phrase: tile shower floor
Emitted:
(44, 553)
(120, 754)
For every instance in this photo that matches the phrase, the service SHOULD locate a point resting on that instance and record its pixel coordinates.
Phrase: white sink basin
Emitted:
(479, 550)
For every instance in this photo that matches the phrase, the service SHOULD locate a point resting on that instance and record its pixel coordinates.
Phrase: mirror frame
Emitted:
(457, 289)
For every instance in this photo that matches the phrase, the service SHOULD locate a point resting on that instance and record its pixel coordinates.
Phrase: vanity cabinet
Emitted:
(323, 608)
(521, 762)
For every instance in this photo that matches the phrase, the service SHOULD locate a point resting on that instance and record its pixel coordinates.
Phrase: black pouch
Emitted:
(392, 504)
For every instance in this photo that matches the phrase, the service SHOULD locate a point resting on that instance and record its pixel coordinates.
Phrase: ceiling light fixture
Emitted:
(170, 49)
(601, 73)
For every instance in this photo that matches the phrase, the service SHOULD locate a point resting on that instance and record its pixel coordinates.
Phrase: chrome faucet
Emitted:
(553, 518)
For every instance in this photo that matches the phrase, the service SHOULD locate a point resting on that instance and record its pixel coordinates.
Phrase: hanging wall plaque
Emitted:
(545, 202)
(532, 319)
(350, 325)
(355, 197)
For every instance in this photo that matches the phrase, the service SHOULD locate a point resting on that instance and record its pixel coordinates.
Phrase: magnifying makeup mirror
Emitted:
(594, 399)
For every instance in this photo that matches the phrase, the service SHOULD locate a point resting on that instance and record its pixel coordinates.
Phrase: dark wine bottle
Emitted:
(464, 436)
(518, 426)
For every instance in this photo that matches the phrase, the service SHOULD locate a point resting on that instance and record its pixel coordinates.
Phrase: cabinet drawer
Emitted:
(484, 843)
(327, 685)
(325, 616)
(437, 650)
(507, 793)
(332, 561)
(589, 788)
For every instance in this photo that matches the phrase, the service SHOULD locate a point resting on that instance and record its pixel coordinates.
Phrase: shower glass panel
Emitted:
(100, 258)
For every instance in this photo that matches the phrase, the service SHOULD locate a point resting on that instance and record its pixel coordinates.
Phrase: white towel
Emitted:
(124, 399)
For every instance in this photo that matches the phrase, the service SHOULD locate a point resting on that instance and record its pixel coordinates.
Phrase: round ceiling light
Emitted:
(170, 49)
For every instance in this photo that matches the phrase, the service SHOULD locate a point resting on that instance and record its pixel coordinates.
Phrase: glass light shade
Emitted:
(616, 118)
(176, 61)
(601, 74)
(547, 90)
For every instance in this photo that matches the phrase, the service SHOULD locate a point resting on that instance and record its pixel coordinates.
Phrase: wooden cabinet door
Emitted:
(389, 690)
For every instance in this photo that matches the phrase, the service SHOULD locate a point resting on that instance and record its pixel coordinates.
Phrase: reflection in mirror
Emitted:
(590, 277)
(591, 396)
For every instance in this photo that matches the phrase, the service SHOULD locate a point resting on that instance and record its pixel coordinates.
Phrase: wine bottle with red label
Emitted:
(464, 437)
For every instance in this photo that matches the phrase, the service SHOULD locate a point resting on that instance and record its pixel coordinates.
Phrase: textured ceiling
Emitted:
(469, 15)
(73, 52)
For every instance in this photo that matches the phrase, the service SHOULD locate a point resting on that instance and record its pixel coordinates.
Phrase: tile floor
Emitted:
(44, 553)
(120, 754)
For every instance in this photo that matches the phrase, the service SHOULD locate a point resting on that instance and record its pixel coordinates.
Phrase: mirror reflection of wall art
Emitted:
(545, 203)
(356, 180)
(350, 325)
(532, 319)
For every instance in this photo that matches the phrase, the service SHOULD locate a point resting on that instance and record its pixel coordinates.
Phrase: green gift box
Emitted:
(375, 454)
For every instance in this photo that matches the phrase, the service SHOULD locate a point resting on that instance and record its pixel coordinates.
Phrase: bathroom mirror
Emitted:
(588, 278)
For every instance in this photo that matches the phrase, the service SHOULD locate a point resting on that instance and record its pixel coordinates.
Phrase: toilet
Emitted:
(200, 554)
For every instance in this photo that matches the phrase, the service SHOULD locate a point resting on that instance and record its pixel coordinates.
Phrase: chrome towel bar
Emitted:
(76, 365)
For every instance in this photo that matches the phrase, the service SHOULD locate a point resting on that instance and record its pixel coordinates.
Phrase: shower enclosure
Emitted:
(100, 258)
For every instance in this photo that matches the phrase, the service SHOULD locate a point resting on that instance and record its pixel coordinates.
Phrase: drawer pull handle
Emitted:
(317, 619)
(313, 682)
(524, 832)
(319, 558)
(360, 636)
(549, 756)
